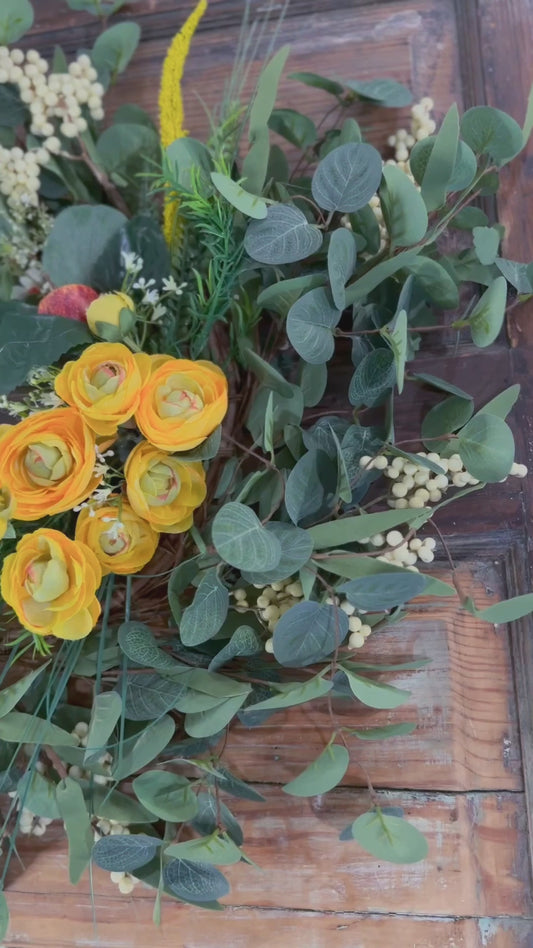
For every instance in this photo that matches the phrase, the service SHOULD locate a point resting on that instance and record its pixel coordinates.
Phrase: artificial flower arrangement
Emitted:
(183, 526)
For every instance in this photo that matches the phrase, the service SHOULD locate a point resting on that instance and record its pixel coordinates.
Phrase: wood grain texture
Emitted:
(465, 776)
(466, 737)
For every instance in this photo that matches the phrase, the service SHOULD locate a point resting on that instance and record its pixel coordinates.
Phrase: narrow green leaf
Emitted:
(292, 694)
(264, 371)
(395, 334)
(106, 711)
(4, 915)
(342, 253)
(16, 727)
(78, 827)
(216, 849)
(364, 285)
(318, 82)
(249, 204)
(255, 164)
(502, 404)
(139, 750)
(11, 695)
(381, 592)
(487, 317)
(384, 92)
(404, 211)
(507, 611)
(355, 529)
(441, 163)
(170, 796)
(213, 720)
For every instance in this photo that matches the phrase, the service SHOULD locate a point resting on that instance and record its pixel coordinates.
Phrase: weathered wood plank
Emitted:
(126, 923)
(477, 862)
(466, 736)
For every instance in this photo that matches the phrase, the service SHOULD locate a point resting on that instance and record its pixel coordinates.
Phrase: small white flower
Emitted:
(142, 284)
(170, 286)
(132, 262)
(151, 297)
(158, 312)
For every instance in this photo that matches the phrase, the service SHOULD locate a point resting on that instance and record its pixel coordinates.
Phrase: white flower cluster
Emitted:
(79, 734)
(29, 823)
(359, 631)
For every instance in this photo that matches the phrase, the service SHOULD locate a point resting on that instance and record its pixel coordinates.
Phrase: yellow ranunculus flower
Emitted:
(47, 461)
(104, 384)
(50, 582)
(7, 509)
(106, 309)
(162, 489)
(121, 541)
(182, 403)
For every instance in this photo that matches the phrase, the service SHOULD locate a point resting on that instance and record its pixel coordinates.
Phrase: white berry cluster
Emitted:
(273, 601)
(422, 125)
(401, 551)
(58, 96)
(359, 631)
(29, 823)
(20, 175)
(125, 881)
(79, 734)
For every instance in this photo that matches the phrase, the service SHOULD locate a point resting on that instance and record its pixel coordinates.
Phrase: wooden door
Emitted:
(465, 777)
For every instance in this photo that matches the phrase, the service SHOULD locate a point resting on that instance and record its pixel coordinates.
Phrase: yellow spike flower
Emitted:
(171, 102)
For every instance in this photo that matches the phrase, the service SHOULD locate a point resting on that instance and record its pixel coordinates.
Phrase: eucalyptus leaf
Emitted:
(168, 795)
(238, 197)
(436, 282)
(213, 720)
(486, 243)
(148, 697)
(190, 163)
(311, 487)
(464, 170)
(404, 211)
(356, 529)
(284, 236)
(486, 447)
(385, 92)
(516, 274)
(395, 335)
(507, 611)
(381, 592)
(106, 712)
(19, 728)
(125, 853)
(486, 319)
(313, 382)
(318, 82)
(342, 253)
(281, 296)
(375, 694)
(309, 633)
(502, 404)
(265, 372)
(373, 378)
(194, 881)
(11, 695)
(77, 241)
(347, 177)
(204, 617)
(322, 775)
(26, 340)
(242, 541)
(216, 849)
(255, 164)
(78, 827)
(16, 18)
(310, 324)
(296, 548)
(138, 751)
(389, 837)
(441, 162)
(360, 288)
(4, 916)
(298, 129)
(114, 47)
(445, 418)
(139, 644)
(212, 811)
(245, 641)
(292, 694)
(492, 132)
(113, 805)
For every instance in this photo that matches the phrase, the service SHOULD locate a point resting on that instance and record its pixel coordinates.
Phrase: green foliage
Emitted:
(378, 593)
(356, 529)
(78, 241)
(220, 850)
(311, 487)
(375, 694)
(254, 167)
(441, 162)
(16, 18)
(385, 92)
(22, 335)
(4, 915)
(17, 727)
(204, 617)
(78, 827)
(486, 446)
(138, 751)
(242, 541)
(139, 644)
(322, 775)
(114, 48)
(464, 168)
(296, 548)
(284, 236)
(194, 881)
(347, 177)
(105, 713)
(291, 695)
(373, 378)
(389, 837)
(170, 796)
(317, 82)
(309, 633)
(298, 129)
(487, 317)
(11, 695)
(342, 253)
(403, 208)
(310, 324)
(125, 853)
(241, 200)
(492, 132)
